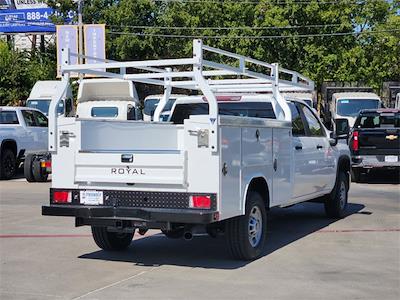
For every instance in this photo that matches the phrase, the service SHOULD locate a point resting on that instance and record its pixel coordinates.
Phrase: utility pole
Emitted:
(80, 35)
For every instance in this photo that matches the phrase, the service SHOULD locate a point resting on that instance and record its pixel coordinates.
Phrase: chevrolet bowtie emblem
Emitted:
(391, 137)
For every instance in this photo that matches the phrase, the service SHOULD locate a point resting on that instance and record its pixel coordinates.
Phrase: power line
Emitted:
(259, 2)
(227, 28)
(253, 36)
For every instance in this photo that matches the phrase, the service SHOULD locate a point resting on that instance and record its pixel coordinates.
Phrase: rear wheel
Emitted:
(28, 165)
(246, 234)
(8, 164)
(336, 202)
(39, 173)
(111, 241)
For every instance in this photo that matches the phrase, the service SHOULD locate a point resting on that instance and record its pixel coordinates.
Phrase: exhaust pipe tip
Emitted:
(188, 235)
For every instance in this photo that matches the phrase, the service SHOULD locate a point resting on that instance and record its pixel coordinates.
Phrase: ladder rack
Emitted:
(193, 73)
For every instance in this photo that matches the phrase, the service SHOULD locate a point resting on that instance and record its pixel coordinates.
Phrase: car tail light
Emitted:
(200, 201)
(45, 164)
(62, 197)
(354, 145)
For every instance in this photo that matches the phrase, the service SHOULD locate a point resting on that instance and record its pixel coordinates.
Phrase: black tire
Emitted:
(336, 203)
(173, 234)
(8, 164)
(28, 165)
(38, 172)
(237, 230)
(355, 175)
(111, 241)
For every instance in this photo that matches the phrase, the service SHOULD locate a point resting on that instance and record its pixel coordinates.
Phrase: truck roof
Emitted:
(356, 95)
(107, 89)
(44, 89)
(16, 108)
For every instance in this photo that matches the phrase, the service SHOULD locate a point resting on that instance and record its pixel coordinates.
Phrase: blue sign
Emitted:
(95, 40)
(67, 37)
(27, 20)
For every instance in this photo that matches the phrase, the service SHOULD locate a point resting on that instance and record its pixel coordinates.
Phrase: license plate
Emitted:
(391, 158)
(91, 197)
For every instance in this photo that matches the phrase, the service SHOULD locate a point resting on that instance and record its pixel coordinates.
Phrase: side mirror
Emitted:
(342, 128)
(333, 139)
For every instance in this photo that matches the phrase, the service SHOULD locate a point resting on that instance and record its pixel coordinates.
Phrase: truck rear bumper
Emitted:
(376, 161)
(140, 215)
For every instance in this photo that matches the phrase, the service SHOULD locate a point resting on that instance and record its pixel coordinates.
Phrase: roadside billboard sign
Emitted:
(26, 20)
(95, 36)
(67, 37)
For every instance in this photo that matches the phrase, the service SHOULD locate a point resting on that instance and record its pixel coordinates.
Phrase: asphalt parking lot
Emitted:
(308, 256)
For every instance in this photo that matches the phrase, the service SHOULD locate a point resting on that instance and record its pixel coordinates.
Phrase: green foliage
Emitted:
(19, 70)
(363, 57)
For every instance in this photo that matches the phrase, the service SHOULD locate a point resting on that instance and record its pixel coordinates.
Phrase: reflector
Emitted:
(62, 197)
(200, 201)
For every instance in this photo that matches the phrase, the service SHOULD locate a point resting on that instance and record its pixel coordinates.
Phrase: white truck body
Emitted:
(307, 97)
(348, 105)
(113, 99)
(42, 93)
(199, 169)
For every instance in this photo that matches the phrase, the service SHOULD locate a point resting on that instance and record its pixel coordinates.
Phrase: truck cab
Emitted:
(348, 105)
(41, 94)
(110, 99)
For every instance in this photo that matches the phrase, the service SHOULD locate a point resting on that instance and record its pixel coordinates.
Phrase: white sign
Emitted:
(26, 4)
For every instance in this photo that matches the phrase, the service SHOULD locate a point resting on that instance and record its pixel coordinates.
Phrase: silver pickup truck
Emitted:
(22, 131)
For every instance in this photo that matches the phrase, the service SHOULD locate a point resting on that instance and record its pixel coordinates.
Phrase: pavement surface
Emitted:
(308, 256)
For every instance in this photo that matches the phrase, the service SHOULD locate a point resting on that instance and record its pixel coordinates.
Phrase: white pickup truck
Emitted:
(217, 167)
(22, 131)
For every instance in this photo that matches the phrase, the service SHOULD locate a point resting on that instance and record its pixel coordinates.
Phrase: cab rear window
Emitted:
(243, 109)
(104, 112)
(378, 120)
(8, 117)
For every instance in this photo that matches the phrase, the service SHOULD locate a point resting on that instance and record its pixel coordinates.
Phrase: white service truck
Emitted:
(106, 98)
(41, 94)
(216, 167)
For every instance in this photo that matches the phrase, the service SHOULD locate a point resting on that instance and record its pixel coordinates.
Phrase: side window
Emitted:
(8, 117)
(313, 124)
(297, 122)
(40, 119)
(29, 118)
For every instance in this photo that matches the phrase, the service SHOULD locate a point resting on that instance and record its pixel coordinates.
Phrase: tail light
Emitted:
(46, 164)
(62, 197)
(200, 201)
(354, 145)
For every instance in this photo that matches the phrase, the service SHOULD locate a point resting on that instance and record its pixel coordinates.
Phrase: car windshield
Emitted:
(104, 112)
(351, 107)
(150, 106)
(243, 109)
(378, 120)
(43, 106)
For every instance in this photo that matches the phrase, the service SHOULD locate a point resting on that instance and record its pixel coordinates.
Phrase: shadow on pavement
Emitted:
(381, 177)
(284, 227)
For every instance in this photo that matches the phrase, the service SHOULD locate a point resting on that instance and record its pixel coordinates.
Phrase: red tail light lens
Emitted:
(354, 145)
(45, 164)
(62, 197)
(200, 201)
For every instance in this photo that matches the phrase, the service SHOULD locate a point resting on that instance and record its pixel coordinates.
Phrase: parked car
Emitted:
(23, 131)
(374, 141)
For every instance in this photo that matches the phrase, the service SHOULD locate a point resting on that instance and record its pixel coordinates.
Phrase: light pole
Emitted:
(80, 35)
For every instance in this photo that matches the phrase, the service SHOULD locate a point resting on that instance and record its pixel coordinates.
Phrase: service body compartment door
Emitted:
(230, 171)
(282, 165)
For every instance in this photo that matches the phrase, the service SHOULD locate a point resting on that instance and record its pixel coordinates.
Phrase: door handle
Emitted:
(275, 164)
(320, 147)
(298, 147)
